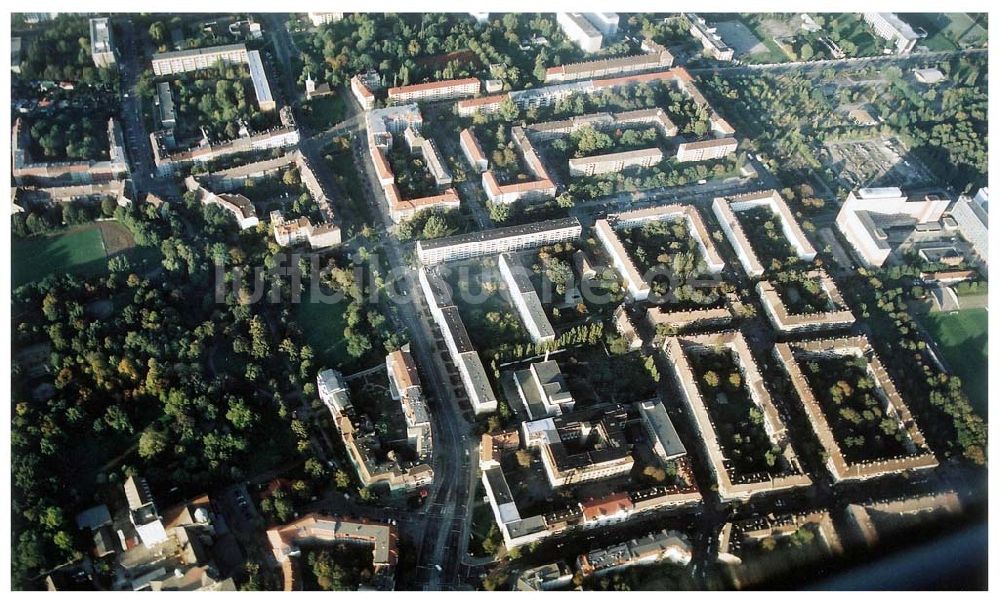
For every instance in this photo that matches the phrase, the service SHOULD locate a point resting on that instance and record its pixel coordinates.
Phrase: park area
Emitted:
(83, 250)
(961, 337)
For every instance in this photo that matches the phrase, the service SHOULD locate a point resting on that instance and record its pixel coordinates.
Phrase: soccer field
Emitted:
(79, 249)
(962, 339)
(84, 249)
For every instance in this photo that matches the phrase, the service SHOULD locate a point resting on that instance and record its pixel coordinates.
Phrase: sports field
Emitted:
(323, 327)
(962, 339)
(84, 249)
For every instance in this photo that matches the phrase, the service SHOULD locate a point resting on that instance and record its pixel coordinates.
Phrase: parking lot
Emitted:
(876, 162)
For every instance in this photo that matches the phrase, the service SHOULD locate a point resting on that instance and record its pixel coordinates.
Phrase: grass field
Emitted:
(323, 326)
(323, 112)
(962, 339)
(949, 31)
(84, 250)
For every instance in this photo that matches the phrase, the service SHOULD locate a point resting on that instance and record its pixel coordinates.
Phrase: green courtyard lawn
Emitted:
(961, 337)
(323, 112)
(84, 250)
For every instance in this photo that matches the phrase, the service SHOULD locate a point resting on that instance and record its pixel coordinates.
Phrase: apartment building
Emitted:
(319, 19)
(709, 149)
(667, 444)
(362, 92)
(616, 162)
(237, 205)
(165, 105)
(401, 210)
(473, 151)
(710, 40)
(102, 43)
(669, 546)
(677, 320)
(485, 105)
(26, 171)
(580, 31)
(890, 27)
(539, 189)
(435, 91)
(290, 232)
(877, 221)
(733, 486)
(459, 345)
(315, 529)
(581, 446)
(636, 284)
(525, 299)
(784, 321)
(972, 217)
(404, 387)
(725, 210)
(677, 212)
(918, 456)
(179, 62)
(428, 150)
(660, 58)
(499, 240)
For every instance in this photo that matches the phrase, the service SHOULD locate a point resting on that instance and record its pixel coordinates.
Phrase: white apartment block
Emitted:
(526, 301)
(361, 92)
(709, 149)
(431, 155)
(890, 27)
(297, 231)
(786, 322)
(179, 62)
(725, 210)
(435, 91)
(637, 286)
(102, 44)
(710, 40)
(606, 23)
(333, 391)
(876, 220)
(617, 162)
(972, 217)
(580, 31)
(319, 19)
(463, 355)
(496, 241)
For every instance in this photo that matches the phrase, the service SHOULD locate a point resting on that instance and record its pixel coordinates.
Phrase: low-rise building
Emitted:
(546, 577)
(296, 231)
(709, 149)
(435, 91)
(626, 328)
(286, 542)
(543, 390)
(581, 446)
(499, 240)
(725, 210)
(165, 105)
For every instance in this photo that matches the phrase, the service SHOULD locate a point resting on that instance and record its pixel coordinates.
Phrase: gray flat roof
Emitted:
(259, 78)
(199, 51)
(501, 232)
(661, 425)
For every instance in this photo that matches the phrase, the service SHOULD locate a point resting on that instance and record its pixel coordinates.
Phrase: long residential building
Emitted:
(459, 345)
(890, 27)
(526, 301)
(709, 149)
(473, 151)
(499, 240)
(362, 92)
(179, 62)
(710, 40)
(664, 545)
(27, 171)
(616, 162)
(876, 221)
(659, 58)
(435, 91)
(725, 210)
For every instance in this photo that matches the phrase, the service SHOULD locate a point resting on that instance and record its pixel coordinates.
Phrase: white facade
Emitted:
(526, 300)
(102, 46)
(892, 28)
(496, 241)
(580, 31)
(972, 216)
